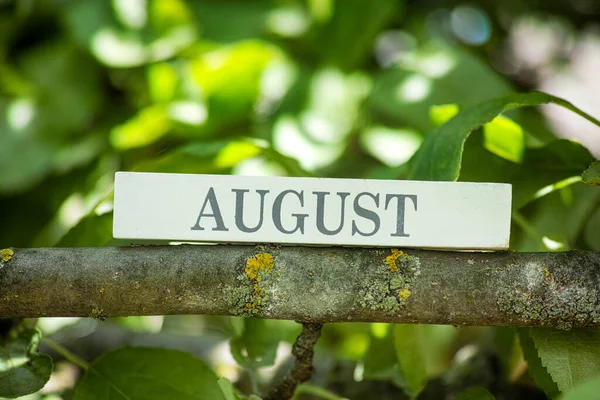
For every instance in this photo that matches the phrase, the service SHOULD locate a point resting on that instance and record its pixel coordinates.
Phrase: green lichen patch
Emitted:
(252, 296)
(390, 286)
(551, 296)
(6, 254)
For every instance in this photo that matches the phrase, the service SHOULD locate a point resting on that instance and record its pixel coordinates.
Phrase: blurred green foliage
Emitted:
(330, 88)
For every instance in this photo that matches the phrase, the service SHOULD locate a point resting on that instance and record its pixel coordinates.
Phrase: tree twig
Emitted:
(303, 350)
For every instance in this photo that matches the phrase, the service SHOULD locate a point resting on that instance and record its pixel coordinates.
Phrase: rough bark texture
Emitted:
(308, 284)
(303, 350)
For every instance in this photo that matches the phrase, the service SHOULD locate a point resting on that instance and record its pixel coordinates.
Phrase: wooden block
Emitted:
(312, 211)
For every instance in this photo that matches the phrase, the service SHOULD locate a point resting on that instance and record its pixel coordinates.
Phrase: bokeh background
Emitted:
(333, 88)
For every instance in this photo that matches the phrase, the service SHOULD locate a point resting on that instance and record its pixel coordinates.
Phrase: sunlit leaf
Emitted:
(230, 79)
(440, 114)
(505, 138)
(236, 151)
(439, 158)
(167, 15)
(145, 128)
(162, 82)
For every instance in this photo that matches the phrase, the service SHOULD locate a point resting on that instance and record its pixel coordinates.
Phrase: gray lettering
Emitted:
(239, 209)
(368, 214)
(277, 213)
(400, 211)
(214, 205)
(321, 212)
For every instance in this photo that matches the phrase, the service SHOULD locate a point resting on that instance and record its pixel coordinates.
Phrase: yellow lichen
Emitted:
(546, 271)
(404, 294)
(6, 254)
(262, 262)
(391, 259)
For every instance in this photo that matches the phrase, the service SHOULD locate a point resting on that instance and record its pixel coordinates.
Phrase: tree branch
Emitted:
(303, 350)
(306, 284)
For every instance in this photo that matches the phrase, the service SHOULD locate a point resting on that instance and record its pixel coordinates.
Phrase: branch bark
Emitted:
(308, 284)
(303, 350)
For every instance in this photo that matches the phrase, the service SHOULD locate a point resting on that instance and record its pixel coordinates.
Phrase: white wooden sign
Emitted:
(353, 212)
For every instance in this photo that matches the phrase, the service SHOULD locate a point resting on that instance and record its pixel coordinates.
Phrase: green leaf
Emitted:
(228, 22)
(145, 128)
(504, 345)
(505, 138)
(536, 370)
(227, 389)
(475, 393)
(570, 357)
(410, 354)
(68, 88)
(165, 16)
(40, 127)
(335, 36)
(438, 351)
(257, 346)
(434, 74)
(232, 86)
(591, 175)
(22, 369)
(116, 42)
(589, 390)
(440, 114)
(542, 171)
(162, 82)
(440, 156)
(143, 373)
(92, 231)
(218, 156)
(502, 136)
(380, 363)
(567, 213)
